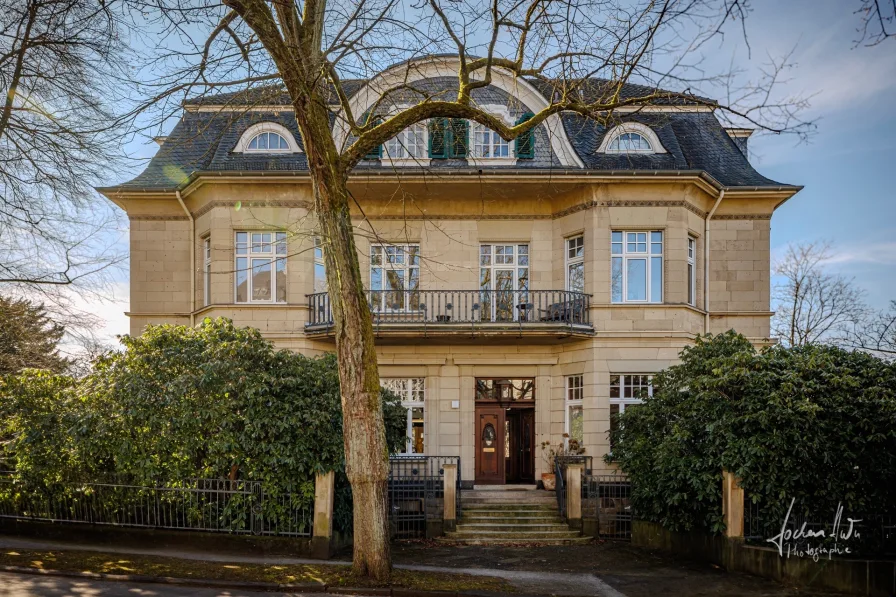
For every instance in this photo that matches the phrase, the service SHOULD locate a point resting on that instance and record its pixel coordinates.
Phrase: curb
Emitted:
(258, 586)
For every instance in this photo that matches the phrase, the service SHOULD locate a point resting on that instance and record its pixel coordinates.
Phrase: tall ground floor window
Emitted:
(575, 393)
(411, 391)
(627, 390)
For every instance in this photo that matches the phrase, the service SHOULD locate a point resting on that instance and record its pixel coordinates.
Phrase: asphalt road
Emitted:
(28, 585)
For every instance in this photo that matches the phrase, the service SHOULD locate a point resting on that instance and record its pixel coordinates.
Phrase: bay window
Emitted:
(627, 390)
(575, 264)
(575, 394)
(637, 266)
(260, 275)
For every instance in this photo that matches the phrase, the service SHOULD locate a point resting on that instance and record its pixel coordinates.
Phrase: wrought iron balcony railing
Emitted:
(446, 307)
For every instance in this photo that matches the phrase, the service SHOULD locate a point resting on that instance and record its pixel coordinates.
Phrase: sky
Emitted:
(847, 167)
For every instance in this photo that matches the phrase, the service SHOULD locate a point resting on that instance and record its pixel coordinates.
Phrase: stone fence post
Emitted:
(322, 545)
(574, 494)
(732, 506)
(449, 516)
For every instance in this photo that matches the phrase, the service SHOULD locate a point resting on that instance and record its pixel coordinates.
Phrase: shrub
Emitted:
(815, 423)
(179, 402)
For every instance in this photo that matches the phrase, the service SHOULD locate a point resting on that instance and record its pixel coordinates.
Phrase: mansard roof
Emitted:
(695, 142)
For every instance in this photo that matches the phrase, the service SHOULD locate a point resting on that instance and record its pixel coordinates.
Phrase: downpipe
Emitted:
(706, 241)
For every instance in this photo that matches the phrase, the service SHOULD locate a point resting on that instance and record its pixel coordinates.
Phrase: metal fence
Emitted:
(874, 535)
(207, 505)
(606, 499)
(416, 493)
(435, 307)
(560, 464)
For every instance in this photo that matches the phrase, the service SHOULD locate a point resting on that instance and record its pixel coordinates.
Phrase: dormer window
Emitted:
(631, 138)
(268, 142)
(629, 143)
(267, 137)
(489, 144)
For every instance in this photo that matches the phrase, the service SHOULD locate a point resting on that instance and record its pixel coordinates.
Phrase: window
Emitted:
(503, 281)
(627, 390)
(268, 142)
(487, 144)
(575, 394)
(412, 396)
(395, 277)
(320, 267)
(448, 138)
(637, 267)
(692, 271)
(629, 143)
(575, 264)
(260, 267)
(409, 144)
(206, 271)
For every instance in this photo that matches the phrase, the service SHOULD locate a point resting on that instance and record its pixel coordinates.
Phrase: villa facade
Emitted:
(521, 290)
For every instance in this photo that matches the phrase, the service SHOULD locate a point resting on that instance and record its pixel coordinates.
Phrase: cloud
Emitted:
(883, 253)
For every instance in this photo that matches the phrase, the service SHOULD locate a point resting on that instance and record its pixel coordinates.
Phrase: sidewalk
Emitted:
(596, 569)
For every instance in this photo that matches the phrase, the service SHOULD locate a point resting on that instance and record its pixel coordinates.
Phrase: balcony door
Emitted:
(503, 281)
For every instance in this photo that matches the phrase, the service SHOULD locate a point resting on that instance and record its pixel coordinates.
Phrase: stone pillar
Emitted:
(732, 506)
(449, 516)
(322, 546)
(574, 494)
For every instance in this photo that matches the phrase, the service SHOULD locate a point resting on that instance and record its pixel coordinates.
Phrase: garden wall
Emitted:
(872, 578)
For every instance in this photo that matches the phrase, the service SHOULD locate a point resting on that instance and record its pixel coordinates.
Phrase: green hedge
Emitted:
(182, 402)
(815, 423)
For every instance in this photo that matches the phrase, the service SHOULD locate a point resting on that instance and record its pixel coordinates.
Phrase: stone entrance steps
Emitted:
(511, 516)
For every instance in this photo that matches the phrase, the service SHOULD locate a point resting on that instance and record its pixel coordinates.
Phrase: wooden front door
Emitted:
(489, 445)
(527, 445)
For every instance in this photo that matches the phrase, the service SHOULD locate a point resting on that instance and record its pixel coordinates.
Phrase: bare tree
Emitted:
(878, 21)
(875, 333)
(61, 68)
(812, 305)
(353, 72)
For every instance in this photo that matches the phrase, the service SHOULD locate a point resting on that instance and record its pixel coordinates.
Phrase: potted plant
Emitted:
(549, 454)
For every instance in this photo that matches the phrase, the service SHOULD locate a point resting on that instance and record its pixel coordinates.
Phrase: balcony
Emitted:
(553, 314)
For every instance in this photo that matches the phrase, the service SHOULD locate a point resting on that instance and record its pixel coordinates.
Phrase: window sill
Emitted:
(492, 161)
(405, 162)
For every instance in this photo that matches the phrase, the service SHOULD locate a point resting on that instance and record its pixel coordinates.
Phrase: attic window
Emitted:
(267, 137)
(629, 143)
(631, 138)
(268, 142)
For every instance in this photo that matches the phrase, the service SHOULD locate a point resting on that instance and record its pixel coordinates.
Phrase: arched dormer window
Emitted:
(631, 138)
(267, 137)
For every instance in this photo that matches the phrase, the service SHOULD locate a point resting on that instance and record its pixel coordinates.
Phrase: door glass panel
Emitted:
(504, 293)
(489, 436)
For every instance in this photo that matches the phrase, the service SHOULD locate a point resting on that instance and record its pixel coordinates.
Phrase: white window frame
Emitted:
(572, 245)
(206, 271)
(626, 254)
(631, 127)
(242, 146)
(495, 140)
(626, 381)
(692, 271)
(574, 398)
(412, 391)
(399, 144)
(520, 258)
(259, 246)
(320, 283)
(381, 253)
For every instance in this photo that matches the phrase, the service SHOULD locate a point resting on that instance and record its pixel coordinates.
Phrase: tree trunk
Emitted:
(366, 452)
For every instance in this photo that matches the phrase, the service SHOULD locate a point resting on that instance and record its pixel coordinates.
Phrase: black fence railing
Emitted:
(443, 307)
(207, 505)
(560, 487)
(872, 535)
(606, 499)
(416, 493)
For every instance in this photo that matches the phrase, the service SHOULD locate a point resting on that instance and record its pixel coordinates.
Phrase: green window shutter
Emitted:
(460, 138)
(377, 152)
(525, 143)
(438, 138)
